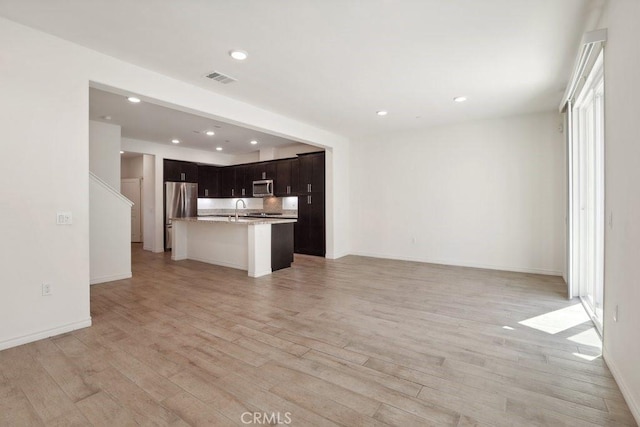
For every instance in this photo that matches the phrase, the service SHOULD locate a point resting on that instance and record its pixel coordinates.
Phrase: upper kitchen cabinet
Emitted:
(227, 182)
(208, 180)
(265, 170)
(244, 183)
(179, 171)
(283, 182)
(311, 173)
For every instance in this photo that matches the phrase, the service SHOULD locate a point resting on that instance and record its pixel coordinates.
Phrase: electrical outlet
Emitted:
(64, 218)
(46, 289)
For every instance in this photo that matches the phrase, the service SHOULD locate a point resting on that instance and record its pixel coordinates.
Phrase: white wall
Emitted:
(485, 194)
(45, 129)
(110, 233)
(148, 202)
(57, 152)
(104, 152)
(251, 157)
(131, 167)
(622, 198)
(283, 152)
(292, 150)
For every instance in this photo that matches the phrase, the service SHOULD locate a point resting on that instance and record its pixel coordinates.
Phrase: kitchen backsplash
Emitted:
(284, 205)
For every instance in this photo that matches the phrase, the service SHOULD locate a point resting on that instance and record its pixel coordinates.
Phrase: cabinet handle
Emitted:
(310, 200)
(288, 189)
(233, 191)
(243, 191)
(310, 188)
(183, 177)
(206, 192)
(264, 175)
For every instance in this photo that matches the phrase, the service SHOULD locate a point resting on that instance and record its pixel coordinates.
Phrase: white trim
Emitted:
(215, 262)
(589, 41)
(36, 336)
(259, 273)
(110, 278)
(463, 264)
(110, 189)
(634, 406)
(337, 255)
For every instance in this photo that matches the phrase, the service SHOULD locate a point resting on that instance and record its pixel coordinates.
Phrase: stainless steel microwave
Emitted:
(263, 188)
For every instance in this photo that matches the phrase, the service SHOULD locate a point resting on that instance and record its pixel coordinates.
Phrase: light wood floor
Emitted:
(357, 341)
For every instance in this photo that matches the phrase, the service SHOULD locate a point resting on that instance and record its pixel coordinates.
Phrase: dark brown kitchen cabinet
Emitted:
(179, 171)
(265, 170)
(309, 230)
(208, 181)
(283, 182)
(244, 183)
(281, 246)
(309, 236)
(310, 173)
(227, 182)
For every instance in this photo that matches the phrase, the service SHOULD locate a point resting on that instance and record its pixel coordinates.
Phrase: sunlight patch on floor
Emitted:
(559, 320)
(587, 357)
(589, 337)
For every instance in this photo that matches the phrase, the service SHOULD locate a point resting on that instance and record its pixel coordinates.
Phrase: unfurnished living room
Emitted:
(304, 212)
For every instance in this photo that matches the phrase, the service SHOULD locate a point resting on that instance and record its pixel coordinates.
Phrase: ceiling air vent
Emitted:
(219, 77)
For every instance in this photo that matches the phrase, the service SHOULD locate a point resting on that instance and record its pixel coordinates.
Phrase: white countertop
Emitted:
(241, 220)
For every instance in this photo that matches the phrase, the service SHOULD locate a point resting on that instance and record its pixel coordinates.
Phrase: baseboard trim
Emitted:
(462, 264)
(36, 336)
(111, 278)
(633, 405)
(220, 263)
(256, 274)
(337, 255)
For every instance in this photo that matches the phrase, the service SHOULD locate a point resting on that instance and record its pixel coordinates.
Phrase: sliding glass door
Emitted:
(588, 220)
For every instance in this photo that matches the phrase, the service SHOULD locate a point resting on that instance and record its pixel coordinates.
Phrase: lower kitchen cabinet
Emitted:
(281, 246)
(309, 231)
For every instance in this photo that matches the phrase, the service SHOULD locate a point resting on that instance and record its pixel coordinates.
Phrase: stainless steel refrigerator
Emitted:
(180, 201)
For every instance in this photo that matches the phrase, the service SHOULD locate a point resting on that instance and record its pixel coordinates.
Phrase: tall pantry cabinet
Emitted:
(310, 229)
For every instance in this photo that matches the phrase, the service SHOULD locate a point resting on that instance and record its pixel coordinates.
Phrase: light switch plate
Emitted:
(64, 218)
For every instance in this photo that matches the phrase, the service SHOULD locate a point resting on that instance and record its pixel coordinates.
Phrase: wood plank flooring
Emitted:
(352, 342)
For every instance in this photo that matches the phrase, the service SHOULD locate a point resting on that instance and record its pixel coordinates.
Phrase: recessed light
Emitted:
(239, 55)
(381, 113)
(254, 142)
(121, 152)
(460, 98)
(210, 132)
(133, 99)
(175, 141)
(218, 148)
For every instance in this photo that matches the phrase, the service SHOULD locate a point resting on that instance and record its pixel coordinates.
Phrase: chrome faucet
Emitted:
(244, 205)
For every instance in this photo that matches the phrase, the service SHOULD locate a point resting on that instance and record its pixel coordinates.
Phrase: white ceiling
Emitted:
(334, 63)
(151, 122)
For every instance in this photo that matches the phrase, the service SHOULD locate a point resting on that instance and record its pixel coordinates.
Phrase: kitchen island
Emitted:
(257, 245)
